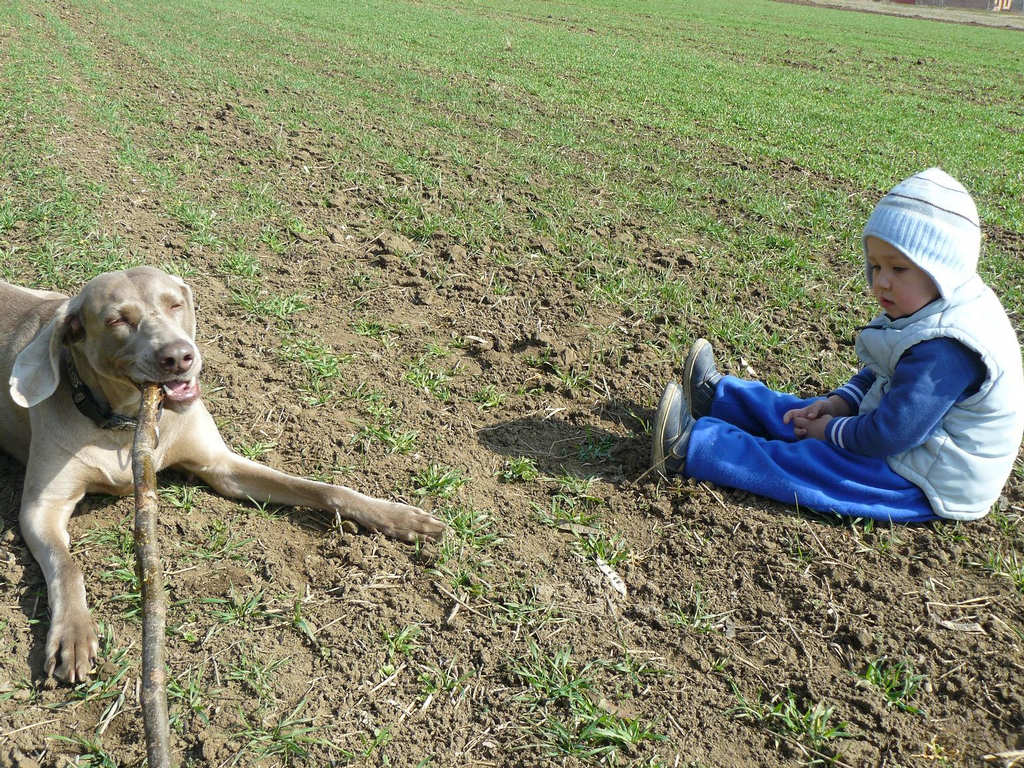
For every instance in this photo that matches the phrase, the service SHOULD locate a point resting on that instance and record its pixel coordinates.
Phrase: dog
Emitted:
(76, 366)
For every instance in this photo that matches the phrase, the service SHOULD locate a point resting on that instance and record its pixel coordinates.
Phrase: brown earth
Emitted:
(1002, 19)
(789, 603)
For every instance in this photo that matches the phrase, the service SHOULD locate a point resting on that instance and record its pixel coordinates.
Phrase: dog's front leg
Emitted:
(71, 643)
(238, 477)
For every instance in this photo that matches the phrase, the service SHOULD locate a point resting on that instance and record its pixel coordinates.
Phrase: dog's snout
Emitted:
(175, 357)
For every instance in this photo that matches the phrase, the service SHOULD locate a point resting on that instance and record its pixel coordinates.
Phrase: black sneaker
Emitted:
(670, 434)
(700, 377)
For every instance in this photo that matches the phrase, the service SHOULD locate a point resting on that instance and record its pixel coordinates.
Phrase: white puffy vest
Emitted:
(963, 466)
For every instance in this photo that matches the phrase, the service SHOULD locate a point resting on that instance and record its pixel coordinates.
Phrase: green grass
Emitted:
(525, 609)
(437, 681)
(519, 468)
(487, 397)
(285, 736)
(395, 440)
(429, 379)
(580, 489)
(695, 614)
(240, 264)
(439, 481)
(376, 329)
(221, 542)
(237, 608)
(402, 642)
(474, 527)
(256, 449)
(596, 447)
(1008, 564)
(118, 545)
(178, 495)
(321, 367)
(465, 556)
(805, 723)
(260, 306)
(896, 681)
(768, 101)
(613, 550)
(186, 699)
(565, 509)
(631, 133)
(91, 753)
(573, 720)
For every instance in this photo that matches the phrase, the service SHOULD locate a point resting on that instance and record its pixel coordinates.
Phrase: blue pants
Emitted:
(744, 444)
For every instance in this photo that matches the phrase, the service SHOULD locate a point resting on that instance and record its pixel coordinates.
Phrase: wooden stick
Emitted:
(151, 577)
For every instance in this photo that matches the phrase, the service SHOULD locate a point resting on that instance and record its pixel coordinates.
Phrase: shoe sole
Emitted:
(672, 391)
(691, 360)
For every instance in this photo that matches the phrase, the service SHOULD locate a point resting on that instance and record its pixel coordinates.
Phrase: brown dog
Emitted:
(75, 367)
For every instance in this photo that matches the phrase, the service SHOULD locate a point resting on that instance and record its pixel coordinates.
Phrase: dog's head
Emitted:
(129, 327)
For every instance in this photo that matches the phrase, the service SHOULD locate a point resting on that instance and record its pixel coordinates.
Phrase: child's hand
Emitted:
(808, 413)
(809, 427)
(812, 419)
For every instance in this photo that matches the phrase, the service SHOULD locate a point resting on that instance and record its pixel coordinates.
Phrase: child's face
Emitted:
(900, 286)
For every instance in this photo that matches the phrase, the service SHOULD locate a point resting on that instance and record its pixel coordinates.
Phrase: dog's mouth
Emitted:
(181, 390)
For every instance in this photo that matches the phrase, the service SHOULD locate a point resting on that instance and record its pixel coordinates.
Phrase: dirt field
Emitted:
(1005, 20)
(290, 639)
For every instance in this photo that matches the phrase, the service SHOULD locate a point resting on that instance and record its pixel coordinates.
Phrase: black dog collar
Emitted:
(99, 414)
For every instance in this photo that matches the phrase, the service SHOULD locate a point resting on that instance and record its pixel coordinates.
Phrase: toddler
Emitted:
(929, 427)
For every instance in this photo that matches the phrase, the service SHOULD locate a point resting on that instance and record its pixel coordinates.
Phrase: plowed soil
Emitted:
(727, 598)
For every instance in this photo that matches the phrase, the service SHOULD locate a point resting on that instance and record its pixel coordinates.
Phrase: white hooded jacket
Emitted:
(963, 466)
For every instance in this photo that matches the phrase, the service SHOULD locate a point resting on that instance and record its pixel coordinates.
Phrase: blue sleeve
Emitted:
(929, 379)
(854, 390)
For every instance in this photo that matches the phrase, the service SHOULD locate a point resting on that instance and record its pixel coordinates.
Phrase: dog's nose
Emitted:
(175, 356)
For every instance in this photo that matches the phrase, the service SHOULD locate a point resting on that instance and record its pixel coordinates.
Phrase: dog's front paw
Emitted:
(71, 647)
(401, 521)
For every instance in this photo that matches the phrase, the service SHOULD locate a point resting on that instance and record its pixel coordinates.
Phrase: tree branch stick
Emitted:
(151, 578)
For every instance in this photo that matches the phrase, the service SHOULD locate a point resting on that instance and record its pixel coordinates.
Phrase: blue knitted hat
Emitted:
(933, 221)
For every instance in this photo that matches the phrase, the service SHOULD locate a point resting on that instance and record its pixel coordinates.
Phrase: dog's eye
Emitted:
(177, 306)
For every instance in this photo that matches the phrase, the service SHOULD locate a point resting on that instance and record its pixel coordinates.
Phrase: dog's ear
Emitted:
(36, 370)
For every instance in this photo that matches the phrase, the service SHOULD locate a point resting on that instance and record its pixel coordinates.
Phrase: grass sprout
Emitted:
(696, 615)
(429, 380)
(896, 681)
(1008, 564)
(573, 719)
(808, 723)
(565, 509)
(519, 469)
(488, 397)
(613, 550)
(439, 481)
(286, 737)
